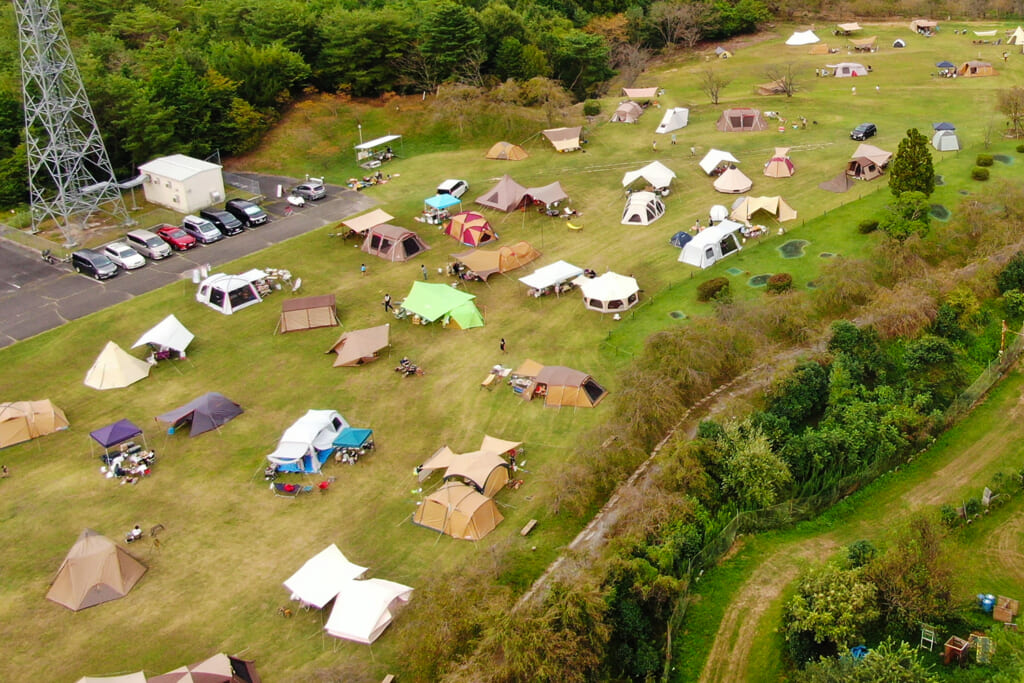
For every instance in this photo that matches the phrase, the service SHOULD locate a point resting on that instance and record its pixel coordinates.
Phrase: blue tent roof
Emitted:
(946, 65)
(680, 239)
(943, 126)
(113, 434)
(442, 201)
(350, 437)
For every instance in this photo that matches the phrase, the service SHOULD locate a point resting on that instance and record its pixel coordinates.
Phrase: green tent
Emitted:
(434, 302)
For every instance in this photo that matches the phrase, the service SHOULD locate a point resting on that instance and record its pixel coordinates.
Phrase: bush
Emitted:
(712, 289)
(950, 516)
(591, 108)
(1013, 302)
(1012, 276)
(1020, 148)
(972, 506)
(859, 553)
(985, 160)
(867, 226)
(779, 283)
(979, 173)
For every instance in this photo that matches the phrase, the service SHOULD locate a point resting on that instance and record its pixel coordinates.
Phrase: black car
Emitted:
(90, 262)
(250, 214)
(223, 221)
(863, 131)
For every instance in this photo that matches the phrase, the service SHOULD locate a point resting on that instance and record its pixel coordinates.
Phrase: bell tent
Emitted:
(627, 112)
(308, 442)
(459, 511)
(25, 420)
(322, 577)
(946, 141)
(564, 139)
(96, 570)
(360, 346)
(562, 386)
(711, 245)
(609, 292)
(115, 368)
(657, 174)
(432, 302)
(733, 181)
(470, 228)
(506, 196)
(168, 335)
(741, 120)
(1016, 37)
(774, 206)
(642, 208)
(674, 119)
(485, 263)
(203, 414)
(392, 243)
(780, 165)
(506, 151)
(308, 313)
(868, 162)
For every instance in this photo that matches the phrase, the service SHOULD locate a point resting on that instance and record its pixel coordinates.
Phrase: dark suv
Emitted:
(223, 221)
(250, 214)
(863, 131)
(90, 262)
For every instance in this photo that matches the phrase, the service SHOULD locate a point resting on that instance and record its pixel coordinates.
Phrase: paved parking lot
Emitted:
(36, 296)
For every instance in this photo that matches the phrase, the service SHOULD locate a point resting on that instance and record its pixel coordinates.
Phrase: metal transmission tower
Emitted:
(69, 172)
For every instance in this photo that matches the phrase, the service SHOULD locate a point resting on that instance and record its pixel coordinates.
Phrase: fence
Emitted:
(987, 378)
(250, 185)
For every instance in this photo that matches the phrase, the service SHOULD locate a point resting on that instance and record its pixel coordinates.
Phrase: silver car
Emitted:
(124, 256)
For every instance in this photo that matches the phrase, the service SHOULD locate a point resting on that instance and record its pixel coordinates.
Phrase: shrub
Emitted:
(1013, 302)
(950, 516)
(1012, 276)
(867, 226)
(979, 173)
(1020, 148)
(712, 289)
(591, 108)
(859, 553)
(779, 283)
(985, 160)
(972, 506)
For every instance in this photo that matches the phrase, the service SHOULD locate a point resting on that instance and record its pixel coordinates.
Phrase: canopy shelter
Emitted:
(363, 609)
(657, 174)
(459, 511)
(360, 346)
(864, 44)
(847, 29)
(506, 151)
(780, 165)
(733, 181)
(868, 162)
(116, 433)
(353, 437)
(168, 335)
(360, 224)
(642, 208)
(216, 669)
(640, 93)
(115, 368)
(777, 87)
(205, 413)
(444, 457)
(551, 275)
(946, 141)
(25, 420)
(546, 194)
(432, 302)
(393, 243)
(322, 577)
(492, 444)
(741, 120)
(943, 125)
(848, 69)
(485, 263)
(306, 445)
(375, 146)
(945, 64)
(470, 228)
(506, 196)
(440, 202)
(485, 471)
(95, 570)
(439, 460)
(802, 38)
(674, 119)
(923, 25)
(229, 293)
(308, 313)
(841, 183)
(562, 386)
(564, 139)
(609, 292)
(774, 206)
(975, 69)
(627, 112)
(1016, 37)
(819, 49)
(137, 677)
(716, 159)
(711, 245)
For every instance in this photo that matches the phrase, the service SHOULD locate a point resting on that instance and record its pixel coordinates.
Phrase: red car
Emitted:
(176, 237)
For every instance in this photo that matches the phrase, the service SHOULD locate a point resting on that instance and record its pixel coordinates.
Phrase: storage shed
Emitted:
(182, 183)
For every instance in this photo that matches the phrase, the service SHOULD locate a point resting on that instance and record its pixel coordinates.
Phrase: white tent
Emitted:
(322, 577)
(115, 368)
(363, 609)
(674, 119)
(718, 213)
(643, 208)
(656, 173)
(946, 141)
(229, 293)
(627, 112)
(802, 38)
(848, 69)
(306, 438)
(168, 334)
(551, 275)
(733, 181)
(711, 245)
(609, 293)
(716, 158)
(1016, 37)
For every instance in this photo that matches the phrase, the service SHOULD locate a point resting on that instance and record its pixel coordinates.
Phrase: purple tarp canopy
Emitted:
(113, 434)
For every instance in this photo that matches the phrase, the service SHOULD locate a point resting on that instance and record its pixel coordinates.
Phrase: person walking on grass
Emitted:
(502, 345)
(387, 303)
(362, 269)
(423, 269)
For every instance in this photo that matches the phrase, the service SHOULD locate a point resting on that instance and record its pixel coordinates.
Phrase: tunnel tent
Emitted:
(308, 442)
(459, 511)
(167, 335)
(308, 313)
(358, 347)
(563, 386)
(485, 263)
(642, 208)
(711, 245)
(95, 570)
(674, 119)
(506, 151)
(975, 69)
(24, 420)
(507, 195)
(627, 112)
(848, 69)
(485, 471)
(115, 368)
(321, 577)
(393, 243)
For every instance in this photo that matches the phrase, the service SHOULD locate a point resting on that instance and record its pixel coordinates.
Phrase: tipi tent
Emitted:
(506, 196)
(848, 69)
(168, 335)
(780, 165)
(547, 194)
(96, 570)
(322, 577)
(433, 302)
(502, 260)
(484, 470)
(627, 112)
(775, 206)
(470, 228)
(642, 208)
(674, 119)
(657, 174)
(506, 151)
(946, 141)
(711, 245)
(24, 420)
(562, 386)
(393, 243)
(1016, 37)
(229, 293)
(360, 346)
(308, 313)
(564, 139)
(802, 38)
(551, 276)
(868, 162)
(974, 69)
(641, 93)
(306, 445)
(716, 159)
(741, 120)
(360, 224)
(363, 609)
(217, 669)
(459, 511)
(205, 413)
(115, 368)
(609, 292)
(733, 181)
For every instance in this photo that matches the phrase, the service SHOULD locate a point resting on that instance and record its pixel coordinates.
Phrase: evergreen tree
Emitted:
(911, 169)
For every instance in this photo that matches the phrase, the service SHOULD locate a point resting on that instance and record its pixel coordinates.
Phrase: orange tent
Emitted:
(470, 228)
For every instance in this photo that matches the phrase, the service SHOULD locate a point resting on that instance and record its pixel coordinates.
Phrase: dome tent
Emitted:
(506, 151)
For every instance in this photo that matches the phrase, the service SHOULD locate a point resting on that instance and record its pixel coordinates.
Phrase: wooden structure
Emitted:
(956, 649)
(1005, 609)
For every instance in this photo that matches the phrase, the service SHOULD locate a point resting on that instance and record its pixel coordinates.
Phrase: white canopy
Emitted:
(640, 93)
(802, 38)
(322, 577)
(115, 368)
(656, 173)
(313, 432)
(551, 275)
(169, 333)
(363, 609)
(849, 28)
(716, 158)
(674, 119)
(377, 142)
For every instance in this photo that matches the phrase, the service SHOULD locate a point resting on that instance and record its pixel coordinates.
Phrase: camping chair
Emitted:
(289, 490)
(573, 227)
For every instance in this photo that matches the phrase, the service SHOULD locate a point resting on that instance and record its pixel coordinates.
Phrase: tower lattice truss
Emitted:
(70, 176)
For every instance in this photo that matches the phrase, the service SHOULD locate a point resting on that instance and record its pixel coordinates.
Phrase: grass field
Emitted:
(214, 583)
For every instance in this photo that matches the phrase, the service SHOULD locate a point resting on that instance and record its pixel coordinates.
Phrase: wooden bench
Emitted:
(528, 528)
(389, 678)
(489, 380)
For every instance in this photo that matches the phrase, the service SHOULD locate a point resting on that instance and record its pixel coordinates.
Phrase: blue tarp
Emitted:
(305, 466)
(351, 437)
(441, 201)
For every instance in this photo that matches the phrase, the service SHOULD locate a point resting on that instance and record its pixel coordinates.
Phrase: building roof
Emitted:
(177, 167)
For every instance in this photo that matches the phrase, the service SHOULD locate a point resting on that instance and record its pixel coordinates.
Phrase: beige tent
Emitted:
(485, 471)
(24, 420)
(485, 263)
(392, 243)
(868, 162)
(564, 139)
(777, 87)
(137, 677)
(506, 151)
(96, 570)
(360, 346)
(923, 25)
(627, 112)
(216, 669)
(975, 69)
(780, 165)
(847, 29)
(776, 206)
(864, 44)
(640, 93)
(506, 196)
(642, 208)
(360, 224)
(459, 511)
(733, 181)
(492, 444)
(308, 313)
(562, 386)
(115, 368)
(819, 49)
(1016, 37)
(741, 120)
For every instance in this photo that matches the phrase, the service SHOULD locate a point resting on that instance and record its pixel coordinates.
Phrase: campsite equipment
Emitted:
(207, 412)
(711, 245)
(308, 442)
(166, 337)
(116, 433)
(25, 420)
(360, 346)
(409, 369)
(642, 208)
(95, 570)
(393, 243)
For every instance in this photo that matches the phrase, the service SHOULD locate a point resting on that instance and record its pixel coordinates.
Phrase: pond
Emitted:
(793, 248)
(759, 280)
(939, 212)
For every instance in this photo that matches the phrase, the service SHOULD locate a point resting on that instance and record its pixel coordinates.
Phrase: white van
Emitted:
(455, 188)
(148, 244)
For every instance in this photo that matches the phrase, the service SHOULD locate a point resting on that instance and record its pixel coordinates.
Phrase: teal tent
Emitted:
(433, 302)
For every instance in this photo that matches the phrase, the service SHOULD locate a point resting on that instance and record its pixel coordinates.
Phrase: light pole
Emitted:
(360, 127)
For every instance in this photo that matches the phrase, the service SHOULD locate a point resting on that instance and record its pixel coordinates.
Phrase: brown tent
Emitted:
(564, 139)
(96, 570)
(217, 669)
(308, 313)
(775, 206)
(487, 263)
(562, 386)
(392, 243)
(506, 196)
(24, 420)
(506, 151)
(484, 470)
(868, 162)
(459, 511)
(360, 346)
(974, 69)
(841, 183)
(819, 49)
(360, 224)
(547, 194)
(741, 120)
(777, 87)
(627, 112)
(864, 44)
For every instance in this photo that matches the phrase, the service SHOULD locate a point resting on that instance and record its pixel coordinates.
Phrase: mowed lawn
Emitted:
(215, 581)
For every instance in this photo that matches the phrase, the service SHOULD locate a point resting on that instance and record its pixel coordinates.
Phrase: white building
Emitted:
(182, 183)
